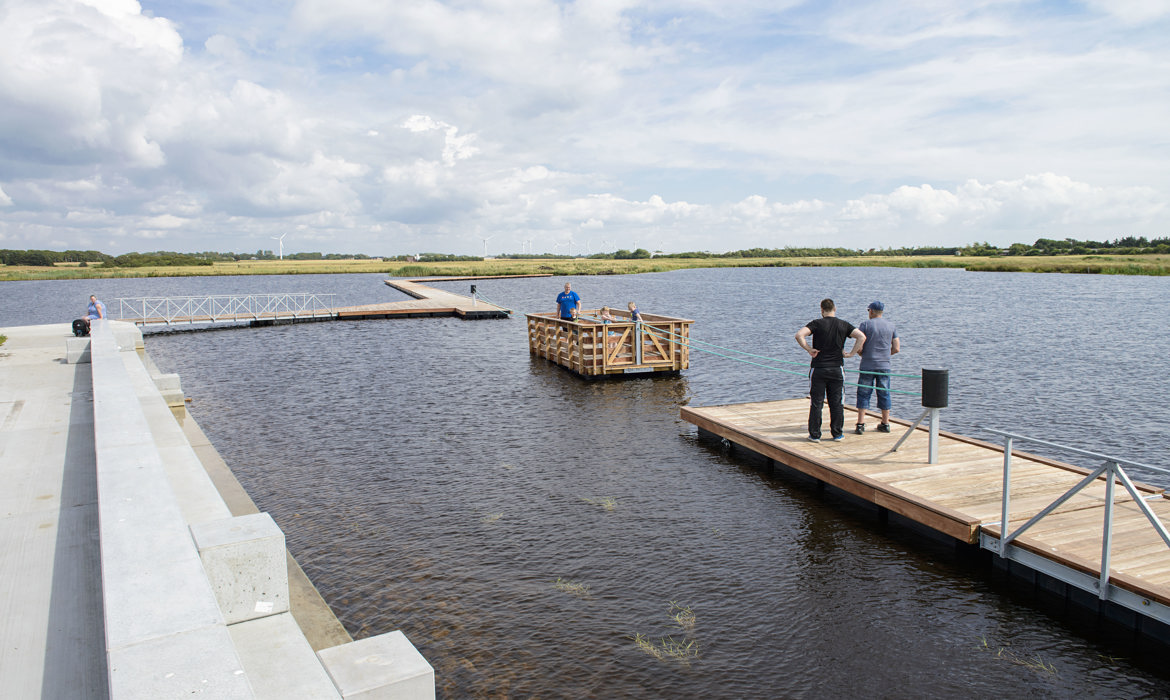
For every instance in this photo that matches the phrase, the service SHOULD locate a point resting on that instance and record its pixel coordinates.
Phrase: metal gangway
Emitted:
(226, 308)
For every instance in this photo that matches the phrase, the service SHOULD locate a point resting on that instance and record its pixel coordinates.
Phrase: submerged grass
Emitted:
(573, 588)
(1080, 264)
(607, 502)
(1036, 663)
(684, 617)
(669, 648)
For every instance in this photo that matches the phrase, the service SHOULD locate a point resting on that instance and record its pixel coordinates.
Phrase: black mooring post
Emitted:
(935, 387)
(473, 289)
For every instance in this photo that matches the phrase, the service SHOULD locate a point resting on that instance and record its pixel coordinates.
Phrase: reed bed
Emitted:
(1157, 265)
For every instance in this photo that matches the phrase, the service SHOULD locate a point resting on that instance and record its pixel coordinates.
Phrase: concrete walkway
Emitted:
(51, 620)
(132, 564)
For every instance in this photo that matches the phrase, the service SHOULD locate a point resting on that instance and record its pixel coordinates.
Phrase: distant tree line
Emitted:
(48, 258)
(1128, 245)
(160, 258)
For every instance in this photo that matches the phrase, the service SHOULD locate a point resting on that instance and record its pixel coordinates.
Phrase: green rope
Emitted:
(690, 343)
(686, 342)
(780, 361)
(500, 306)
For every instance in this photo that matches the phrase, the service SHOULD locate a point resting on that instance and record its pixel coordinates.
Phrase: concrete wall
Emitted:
(196, 601)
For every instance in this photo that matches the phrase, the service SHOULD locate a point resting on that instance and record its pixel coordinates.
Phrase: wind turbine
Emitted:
(281, 240)
(485, 240)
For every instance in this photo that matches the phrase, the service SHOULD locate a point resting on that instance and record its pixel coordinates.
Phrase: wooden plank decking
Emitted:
(961, 494)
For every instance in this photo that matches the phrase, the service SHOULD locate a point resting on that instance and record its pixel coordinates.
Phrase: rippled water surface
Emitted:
(526, 528)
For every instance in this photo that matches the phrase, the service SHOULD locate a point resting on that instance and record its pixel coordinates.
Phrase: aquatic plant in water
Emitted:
(608, 502)
(572, 588)
(1036, 664)
(669, 649)
(684, 617)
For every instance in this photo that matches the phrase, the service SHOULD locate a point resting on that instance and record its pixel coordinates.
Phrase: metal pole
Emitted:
(1107, 535)
(932, 446)
(638, 343)
(1007, 493)
(913, 427)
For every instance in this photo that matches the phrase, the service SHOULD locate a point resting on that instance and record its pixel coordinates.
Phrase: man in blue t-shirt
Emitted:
(881, 342)
(568, 304)
(826, 374)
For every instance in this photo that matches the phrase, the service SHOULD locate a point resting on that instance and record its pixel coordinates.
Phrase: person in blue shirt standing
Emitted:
(881, 342)
(568, 304)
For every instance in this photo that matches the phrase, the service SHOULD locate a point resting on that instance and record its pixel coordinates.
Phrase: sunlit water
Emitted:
(525, 528)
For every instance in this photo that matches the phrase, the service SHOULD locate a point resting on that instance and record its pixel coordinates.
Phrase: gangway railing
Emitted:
(1113, 471)
(225, 308)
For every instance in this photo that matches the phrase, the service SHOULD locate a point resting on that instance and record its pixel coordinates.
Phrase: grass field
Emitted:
(1082, 264)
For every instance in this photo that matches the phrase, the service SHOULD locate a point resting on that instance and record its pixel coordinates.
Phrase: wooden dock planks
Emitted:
(425, 301)
(961, 494)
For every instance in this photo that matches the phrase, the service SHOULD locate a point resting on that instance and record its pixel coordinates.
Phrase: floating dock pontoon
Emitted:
(593, 349)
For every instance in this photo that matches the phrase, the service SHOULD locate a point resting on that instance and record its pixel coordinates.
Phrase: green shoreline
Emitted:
(1153, 265)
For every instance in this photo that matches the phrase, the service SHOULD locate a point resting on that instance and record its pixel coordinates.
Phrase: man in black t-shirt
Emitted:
(826, 376)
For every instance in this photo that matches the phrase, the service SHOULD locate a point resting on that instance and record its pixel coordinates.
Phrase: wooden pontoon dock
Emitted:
(962, 496)
(269, 309)
(593, 349)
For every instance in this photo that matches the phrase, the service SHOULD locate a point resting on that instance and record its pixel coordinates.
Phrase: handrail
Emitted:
(1078, 450)
(223, 307)
(1113, 472)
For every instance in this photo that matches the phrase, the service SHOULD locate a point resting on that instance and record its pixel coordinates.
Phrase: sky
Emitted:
(510, 126)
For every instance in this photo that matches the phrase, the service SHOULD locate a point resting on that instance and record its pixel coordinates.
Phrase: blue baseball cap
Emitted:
(877, 306)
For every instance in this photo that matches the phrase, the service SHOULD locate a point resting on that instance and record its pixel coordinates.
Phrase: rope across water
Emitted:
(691, 343)
(694, 344)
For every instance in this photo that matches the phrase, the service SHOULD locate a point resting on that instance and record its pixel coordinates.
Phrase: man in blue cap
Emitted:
(881, 341)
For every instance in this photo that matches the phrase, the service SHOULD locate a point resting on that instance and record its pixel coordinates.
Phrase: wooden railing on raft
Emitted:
(592, 348)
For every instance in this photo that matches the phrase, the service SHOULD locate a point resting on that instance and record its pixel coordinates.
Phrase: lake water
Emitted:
(526, 528)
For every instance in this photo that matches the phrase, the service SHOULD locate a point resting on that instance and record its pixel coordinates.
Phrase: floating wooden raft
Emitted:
(593, 349)
(961, 495)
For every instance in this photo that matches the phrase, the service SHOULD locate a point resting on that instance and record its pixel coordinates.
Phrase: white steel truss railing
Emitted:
(220, 308)
(1114, 473)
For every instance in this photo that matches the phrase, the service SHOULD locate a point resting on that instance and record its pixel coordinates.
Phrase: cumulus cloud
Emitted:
(538, 43)
(78, 80)
(455, 147)
(1041, 202)
(395, 127)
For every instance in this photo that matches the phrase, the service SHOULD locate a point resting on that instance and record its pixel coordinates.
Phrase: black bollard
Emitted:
(935, 387)
(473, 289)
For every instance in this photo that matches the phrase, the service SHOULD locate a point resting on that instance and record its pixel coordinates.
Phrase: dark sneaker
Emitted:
(839, 438)
(883, 427)
(813, 439)
(860, 429)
